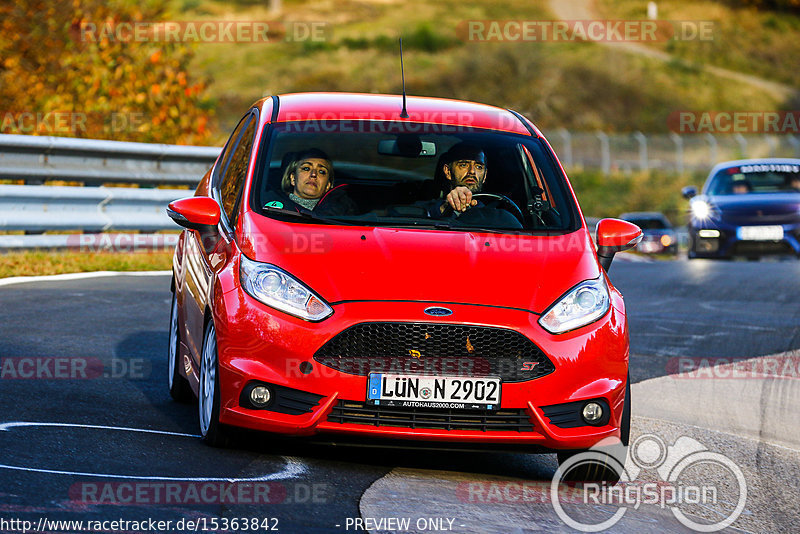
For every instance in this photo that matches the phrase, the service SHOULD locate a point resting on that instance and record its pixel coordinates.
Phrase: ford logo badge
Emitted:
(438, 312)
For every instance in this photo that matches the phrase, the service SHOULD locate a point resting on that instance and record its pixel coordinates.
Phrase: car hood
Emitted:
(362, 263)
(768, 203)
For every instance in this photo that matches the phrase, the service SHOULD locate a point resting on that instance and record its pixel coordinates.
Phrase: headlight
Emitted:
(585, 303)
(701, 209)
(282, 291)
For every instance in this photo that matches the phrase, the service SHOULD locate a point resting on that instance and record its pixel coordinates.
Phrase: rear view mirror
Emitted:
(407, 145)
(689, 191)
(615, 235)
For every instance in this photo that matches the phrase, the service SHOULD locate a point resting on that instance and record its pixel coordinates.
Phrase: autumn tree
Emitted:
(63, 57)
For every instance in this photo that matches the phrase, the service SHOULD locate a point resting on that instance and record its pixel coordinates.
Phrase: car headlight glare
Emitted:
(277, 288)
(701, 209)
(583, 304)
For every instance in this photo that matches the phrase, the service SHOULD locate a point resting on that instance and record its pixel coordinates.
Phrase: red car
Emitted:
(325, 285)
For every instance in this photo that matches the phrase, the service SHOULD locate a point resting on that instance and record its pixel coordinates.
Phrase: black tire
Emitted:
(594, 465)
(211, 430)
(625, 423)
(179, 388)
(600, 464)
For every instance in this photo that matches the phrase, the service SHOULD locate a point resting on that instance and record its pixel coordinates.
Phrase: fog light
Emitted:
(592, 412)
(260, 396)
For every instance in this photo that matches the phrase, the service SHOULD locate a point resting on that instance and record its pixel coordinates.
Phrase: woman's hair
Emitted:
(291, 168)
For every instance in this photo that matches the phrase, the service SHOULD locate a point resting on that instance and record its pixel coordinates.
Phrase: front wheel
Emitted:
(211, 430)
(179, 387)
(604, 464)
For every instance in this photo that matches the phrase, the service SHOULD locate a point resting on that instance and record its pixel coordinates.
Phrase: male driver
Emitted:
(464, 169)
(742, 187)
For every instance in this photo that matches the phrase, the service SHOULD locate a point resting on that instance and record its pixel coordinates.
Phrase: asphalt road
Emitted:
(710, 309)
(88, 357)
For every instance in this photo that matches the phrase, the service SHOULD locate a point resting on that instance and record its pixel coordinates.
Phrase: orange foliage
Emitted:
(61, 75)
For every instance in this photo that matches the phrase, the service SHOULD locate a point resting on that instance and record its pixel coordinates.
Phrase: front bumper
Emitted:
(728, 244)
(257, 343)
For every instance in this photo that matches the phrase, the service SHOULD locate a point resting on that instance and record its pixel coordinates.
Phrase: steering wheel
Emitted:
(507, 204)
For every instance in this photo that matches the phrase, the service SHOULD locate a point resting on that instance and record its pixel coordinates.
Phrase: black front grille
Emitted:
(746, 248)
(434, 349)
(360, 413)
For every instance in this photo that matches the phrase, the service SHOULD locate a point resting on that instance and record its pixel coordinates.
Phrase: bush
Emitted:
(64, 57)
(608, 196)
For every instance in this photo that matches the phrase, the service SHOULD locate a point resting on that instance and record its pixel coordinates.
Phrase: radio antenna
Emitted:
(404, 113)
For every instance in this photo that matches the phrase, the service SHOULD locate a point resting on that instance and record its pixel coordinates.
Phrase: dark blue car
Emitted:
(747, 208)
(659, 236)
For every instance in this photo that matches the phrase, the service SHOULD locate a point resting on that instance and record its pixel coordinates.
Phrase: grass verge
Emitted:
(39, 263)
(761, 42)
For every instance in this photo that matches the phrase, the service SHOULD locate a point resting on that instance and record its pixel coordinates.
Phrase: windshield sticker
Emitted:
(274, 204)
(772, 167)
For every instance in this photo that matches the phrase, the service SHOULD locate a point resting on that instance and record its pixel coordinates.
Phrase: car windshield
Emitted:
(648, 223)
(392, 174)
(757, 178)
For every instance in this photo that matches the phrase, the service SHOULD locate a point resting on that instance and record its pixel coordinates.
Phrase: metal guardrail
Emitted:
(94, 209)
(95, 162)
(35, 209)
(116, 242)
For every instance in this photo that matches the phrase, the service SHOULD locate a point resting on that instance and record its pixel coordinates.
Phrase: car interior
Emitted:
(385, 182)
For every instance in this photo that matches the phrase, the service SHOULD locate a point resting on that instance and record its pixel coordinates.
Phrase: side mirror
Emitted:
(195, 213)
(614, 235)
(689, 191)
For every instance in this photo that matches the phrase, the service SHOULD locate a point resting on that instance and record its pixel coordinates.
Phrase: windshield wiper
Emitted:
(444, 225)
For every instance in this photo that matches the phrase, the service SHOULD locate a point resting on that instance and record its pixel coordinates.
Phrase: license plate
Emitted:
(453, 392)
(760, 233)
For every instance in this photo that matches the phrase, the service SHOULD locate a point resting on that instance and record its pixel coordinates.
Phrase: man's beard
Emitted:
(474, 188)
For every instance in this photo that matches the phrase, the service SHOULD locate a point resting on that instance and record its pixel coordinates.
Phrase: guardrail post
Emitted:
(795, 142)
(566, 141)
(773, 145)
(642, 140)
(605, 153)
(676, 139)
(742, 144)
(712, 145)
